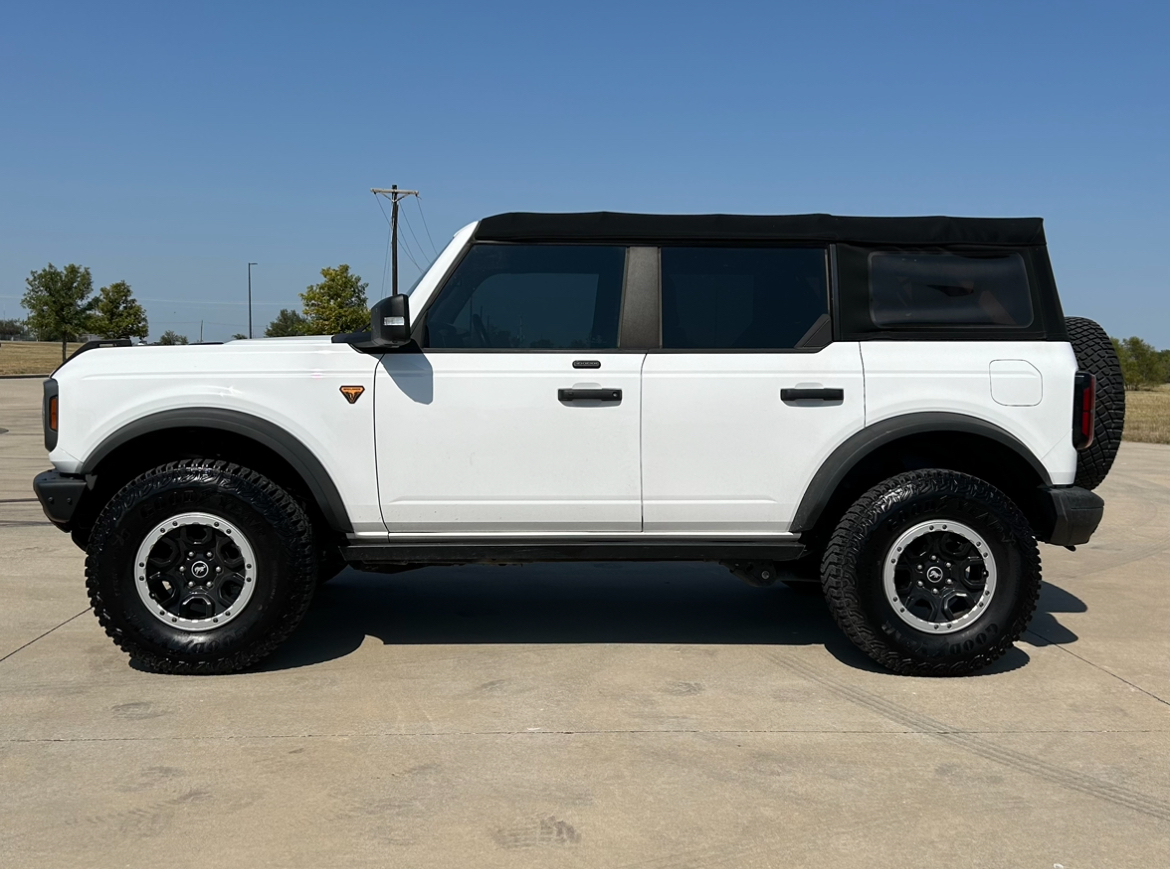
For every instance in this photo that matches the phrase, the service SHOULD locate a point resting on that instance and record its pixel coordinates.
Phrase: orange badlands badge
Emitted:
(352, 393)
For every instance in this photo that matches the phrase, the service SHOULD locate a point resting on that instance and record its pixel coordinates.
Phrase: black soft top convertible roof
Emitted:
(654, 228)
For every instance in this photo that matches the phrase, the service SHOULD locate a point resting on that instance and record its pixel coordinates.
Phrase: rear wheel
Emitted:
(201, 566)
(932, 573)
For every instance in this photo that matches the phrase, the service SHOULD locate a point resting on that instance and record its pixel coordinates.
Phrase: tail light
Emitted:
(51, 413)
(1084, 409)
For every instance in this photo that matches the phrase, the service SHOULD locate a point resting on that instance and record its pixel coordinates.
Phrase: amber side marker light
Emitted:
(53, 413)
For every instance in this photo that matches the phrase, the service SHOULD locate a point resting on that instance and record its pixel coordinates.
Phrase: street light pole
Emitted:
(250, 298)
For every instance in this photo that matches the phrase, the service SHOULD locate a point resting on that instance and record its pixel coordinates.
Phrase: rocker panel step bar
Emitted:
(527, 549)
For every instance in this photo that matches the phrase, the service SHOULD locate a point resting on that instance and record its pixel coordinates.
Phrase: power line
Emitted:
(406, 244)
(418, 243)
(434, 249)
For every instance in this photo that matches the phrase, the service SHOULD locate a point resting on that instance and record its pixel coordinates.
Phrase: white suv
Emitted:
(894, 407)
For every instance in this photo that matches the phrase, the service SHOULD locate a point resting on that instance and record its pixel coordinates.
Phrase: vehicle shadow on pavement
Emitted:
(578, 603)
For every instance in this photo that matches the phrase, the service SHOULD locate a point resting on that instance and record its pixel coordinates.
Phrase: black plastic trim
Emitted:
(606, 394)
(641, 319)
(796, 394)
(843, 459)
(52, 390)
(514, 550)
(59, 495)
(300, 457)
(1073, 513)
(102, 342)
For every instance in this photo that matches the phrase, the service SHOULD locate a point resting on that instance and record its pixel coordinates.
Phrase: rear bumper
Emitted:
(1072, 515)
(59, 495)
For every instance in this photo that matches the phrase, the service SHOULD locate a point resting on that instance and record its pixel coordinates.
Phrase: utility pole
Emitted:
(394, 195)
(250, 298)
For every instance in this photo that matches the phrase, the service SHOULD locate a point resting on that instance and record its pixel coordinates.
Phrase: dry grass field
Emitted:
(1147, 418)
(30, 357)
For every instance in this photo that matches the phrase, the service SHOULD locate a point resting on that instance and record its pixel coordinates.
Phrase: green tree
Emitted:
(58, 303)
(287, 323)
(1128, 369)
(117, 313)
(239, 336)
(172, 337)
(1142, 366)
(337, 304)
(10, 329)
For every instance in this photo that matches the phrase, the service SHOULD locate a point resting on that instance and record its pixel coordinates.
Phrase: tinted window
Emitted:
(556, 297)
(944, 289)
(740, 298)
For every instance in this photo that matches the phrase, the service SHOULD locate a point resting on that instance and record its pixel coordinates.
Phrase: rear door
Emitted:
(519, 414)
(748, 394)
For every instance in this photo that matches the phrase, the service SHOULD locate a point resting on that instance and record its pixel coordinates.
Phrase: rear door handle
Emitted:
(589, 394)
(812, 394)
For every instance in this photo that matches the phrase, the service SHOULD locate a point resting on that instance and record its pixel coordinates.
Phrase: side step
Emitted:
(519, 550)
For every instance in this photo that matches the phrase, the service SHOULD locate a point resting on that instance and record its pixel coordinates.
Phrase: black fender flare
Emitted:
(268, 434)
(860, 444)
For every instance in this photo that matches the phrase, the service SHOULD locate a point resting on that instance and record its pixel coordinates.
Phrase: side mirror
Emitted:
(390, 321)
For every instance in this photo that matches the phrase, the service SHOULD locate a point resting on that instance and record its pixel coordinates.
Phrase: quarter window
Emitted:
(948, 289)
(531, 297)
(741, 298)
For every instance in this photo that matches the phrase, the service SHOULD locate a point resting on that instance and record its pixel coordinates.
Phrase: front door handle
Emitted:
(589, 394)
(812, 394)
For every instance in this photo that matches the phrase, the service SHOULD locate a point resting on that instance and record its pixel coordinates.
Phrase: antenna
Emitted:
(394, 195)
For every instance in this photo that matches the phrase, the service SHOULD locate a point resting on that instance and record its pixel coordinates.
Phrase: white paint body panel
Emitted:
(293, 383)
(486, 446)
(721, 453)
(1016, 383)
(904, 377)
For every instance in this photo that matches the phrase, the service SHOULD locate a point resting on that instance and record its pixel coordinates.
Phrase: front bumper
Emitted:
(59, 495)
(1072, 515)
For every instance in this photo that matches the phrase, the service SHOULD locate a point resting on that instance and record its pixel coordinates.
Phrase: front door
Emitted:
(748, 395)
(519, 415)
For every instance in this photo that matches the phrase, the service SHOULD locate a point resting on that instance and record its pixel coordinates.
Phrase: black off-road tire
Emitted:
(277, 528)
(851, 572)
(1095, 354)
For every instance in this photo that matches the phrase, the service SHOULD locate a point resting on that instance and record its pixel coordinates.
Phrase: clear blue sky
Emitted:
(170, 144)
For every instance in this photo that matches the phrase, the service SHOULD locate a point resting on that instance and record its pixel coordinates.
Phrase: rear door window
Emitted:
(741, 298)
(530, 297)
(945, 288)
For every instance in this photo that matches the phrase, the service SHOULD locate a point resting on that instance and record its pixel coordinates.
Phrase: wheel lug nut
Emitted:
(182, 570)
(209, 555)
(948, 582)
(934, 591)
(920, 583)
(219, 570)
(190, 585)
(920, 567)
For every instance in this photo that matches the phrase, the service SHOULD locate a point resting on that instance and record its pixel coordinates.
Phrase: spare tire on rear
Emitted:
(1095, 354)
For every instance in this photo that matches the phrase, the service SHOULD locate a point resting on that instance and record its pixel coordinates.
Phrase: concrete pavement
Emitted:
(597, 715)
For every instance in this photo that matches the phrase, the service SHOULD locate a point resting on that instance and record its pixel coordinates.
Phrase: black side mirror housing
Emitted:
(390, 321)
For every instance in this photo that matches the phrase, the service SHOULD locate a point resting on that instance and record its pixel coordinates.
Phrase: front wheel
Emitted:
(932, 573)
(201, 566)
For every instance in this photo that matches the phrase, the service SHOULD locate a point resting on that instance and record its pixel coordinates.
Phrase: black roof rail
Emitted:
(100, 342)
